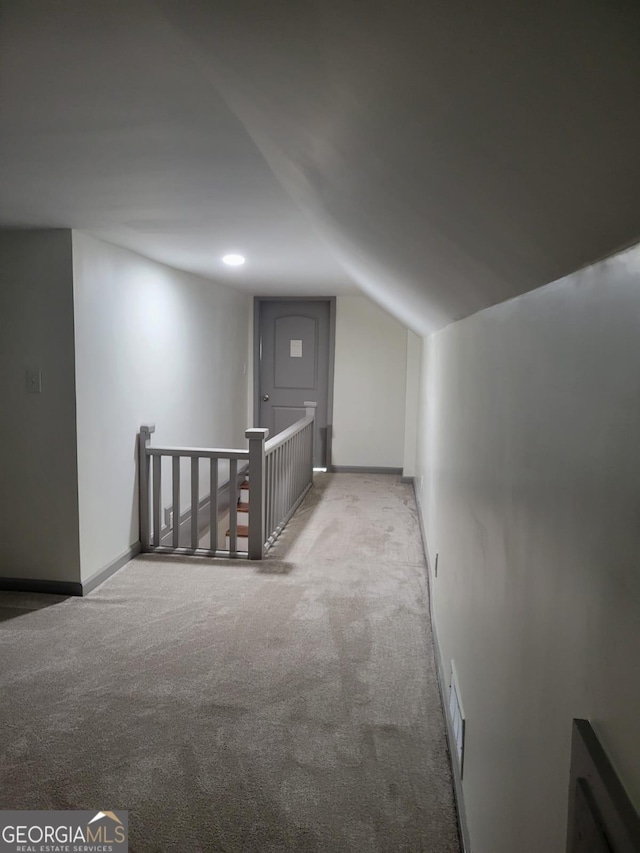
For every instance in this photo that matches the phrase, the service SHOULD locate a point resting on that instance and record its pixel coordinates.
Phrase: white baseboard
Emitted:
(103, 574)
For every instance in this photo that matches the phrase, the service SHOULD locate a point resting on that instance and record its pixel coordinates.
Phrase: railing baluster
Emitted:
(267, 463)
(283, 492)
(272, 496)
(144, 437)
(301, 462)
(274, 462)
(281, 473)
(233, 505)
(287, 474)
(272, 492)
(257, 492)
(213, 506)
(195, 500)
(176, 500)
(292, 499)
(157, 492)
(284, 482)
(287, 477)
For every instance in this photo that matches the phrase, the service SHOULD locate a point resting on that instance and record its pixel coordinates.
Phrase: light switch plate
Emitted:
(34, 380)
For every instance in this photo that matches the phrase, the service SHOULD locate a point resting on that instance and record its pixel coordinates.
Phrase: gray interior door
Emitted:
(294, 367)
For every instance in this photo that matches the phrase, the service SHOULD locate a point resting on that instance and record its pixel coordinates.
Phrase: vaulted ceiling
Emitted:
(440, 156)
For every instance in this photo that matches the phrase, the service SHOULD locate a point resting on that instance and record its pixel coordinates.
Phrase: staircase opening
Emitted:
(240, 498)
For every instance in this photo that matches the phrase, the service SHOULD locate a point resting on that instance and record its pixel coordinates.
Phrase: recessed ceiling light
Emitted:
(233, 260)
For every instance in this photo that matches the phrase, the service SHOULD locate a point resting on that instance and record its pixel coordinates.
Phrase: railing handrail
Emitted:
(280, 473)
(203, 452)
(286, 434)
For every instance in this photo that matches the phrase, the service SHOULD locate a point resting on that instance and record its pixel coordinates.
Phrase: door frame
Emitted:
(257, 361)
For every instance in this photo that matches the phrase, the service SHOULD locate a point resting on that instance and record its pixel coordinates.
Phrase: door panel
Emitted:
(285, 416)
(294, 366)
(295, 352)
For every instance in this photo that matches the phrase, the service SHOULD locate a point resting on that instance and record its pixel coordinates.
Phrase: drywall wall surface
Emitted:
(412, 395)
(153, 345)
(530, 459)
(369, 385)
(38, 486)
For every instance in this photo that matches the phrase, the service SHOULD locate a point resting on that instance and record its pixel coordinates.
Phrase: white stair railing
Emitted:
(182, 533)
(280, 474)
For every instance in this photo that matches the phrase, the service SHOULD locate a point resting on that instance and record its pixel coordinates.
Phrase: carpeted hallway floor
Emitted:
(285, 706)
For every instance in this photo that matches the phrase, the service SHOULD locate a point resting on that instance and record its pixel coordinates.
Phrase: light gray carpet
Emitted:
(285, 706)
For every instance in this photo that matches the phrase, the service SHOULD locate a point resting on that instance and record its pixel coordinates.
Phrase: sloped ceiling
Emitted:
(442, 156)
(107, 125)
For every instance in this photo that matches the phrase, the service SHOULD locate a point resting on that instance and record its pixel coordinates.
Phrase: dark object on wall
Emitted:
(601, 816)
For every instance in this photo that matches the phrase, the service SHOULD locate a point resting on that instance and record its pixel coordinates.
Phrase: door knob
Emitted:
(265, 397)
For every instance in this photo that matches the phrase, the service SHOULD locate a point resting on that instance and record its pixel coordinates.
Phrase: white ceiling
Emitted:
(442, 157)
(108, 126)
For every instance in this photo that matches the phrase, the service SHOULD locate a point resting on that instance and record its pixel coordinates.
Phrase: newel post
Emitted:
(310, 409)
(257, 508)
(144, 438)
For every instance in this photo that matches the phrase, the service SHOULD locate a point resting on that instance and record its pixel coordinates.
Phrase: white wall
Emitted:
(38, 489)
(153, 345)
(369, 385)
(530, 464)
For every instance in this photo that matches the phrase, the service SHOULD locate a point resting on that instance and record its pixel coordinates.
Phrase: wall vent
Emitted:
(457, 718)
